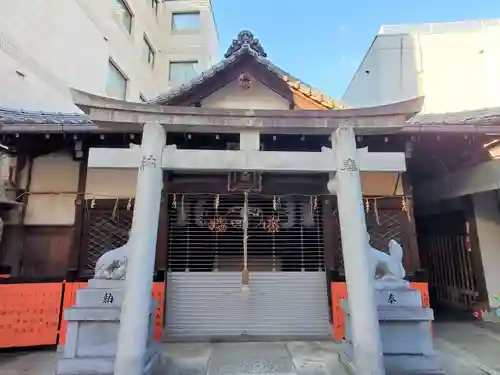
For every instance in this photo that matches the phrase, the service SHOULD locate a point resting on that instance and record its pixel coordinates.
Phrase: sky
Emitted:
(322, 42)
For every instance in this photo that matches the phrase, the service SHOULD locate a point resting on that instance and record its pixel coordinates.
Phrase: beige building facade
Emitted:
(125, 49)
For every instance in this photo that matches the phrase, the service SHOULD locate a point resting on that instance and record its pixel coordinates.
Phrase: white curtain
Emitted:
(116, 86)
(185, 21)
(123, 14)
(181, 72)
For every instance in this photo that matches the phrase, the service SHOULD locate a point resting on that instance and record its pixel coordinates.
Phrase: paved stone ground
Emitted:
(40, 362)
(292, 358)
(469, 344)
(465, 349)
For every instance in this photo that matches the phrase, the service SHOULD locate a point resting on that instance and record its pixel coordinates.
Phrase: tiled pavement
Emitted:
(465, 348)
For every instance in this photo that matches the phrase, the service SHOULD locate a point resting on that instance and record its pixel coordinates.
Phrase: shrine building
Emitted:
(74, 210)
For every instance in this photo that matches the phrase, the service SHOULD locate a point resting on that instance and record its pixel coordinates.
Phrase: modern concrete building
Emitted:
(125, 49)
(456, 66)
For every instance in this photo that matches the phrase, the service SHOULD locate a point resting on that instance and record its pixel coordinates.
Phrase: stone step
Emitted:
(92, 314)
(106, 284)
(398, 313)
(406, 314)
(98, 365)
(104, 312)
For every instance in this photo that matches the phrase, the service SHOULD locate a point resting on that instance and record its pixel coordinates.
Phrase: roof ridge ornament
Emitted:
(245, 39)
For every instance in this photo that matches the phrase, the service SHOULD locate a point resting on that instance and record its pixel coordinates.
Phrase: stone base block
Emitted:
(405, 330)
(103, 365)
(92, 332)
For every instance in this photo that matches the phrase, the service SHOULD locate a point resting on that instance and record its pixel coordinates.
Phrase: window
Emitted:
(188, 21)
(182, 71)
(148, 53)
(124, 14)
(155, 5)
(116, 86)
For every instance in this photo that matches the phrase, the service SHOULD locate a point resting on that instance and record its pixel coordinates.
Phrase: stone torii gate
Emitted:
(343, 162)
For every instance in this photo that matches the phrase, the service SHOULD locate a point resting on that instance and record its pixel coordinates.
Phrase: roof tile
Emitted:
(247, 44)
(18, 116)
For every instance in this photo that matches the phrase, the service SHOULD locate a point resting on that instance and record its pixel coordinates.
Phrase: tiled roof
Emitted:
(14, 116)
(246, 44)
(26, 100)
(483, 116)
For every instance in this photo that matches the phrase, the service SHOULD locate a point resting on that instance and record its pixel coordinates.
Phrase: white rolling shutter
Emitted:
(286, 295)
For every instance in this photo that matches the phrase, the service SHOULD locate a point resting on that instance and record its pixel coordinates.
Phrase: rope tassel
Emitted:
(375, 209)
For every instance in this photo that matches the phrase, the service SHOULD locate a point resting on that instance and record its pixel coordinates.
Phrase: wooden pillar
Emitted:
(162, 241)
(76, 250)
(328, 233)
(330, 251)
(475, 252)
(13, 236)
(21, 227)
(412, 258)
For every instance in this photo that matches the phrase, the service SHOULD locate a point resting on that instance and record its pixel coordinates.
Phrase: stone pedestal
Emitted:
(92, 333)
(405, 330)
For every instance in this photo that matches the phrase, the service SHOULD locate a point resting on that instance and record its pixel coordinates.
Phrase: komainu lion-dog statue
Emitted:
(387, 266)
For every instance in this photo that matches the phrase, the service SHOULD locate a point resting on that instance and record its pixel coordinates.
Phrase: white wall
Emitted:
(110, 183)
(72, 41)
(455, 70)
(382, 78)
(54, 182)
(258, 96)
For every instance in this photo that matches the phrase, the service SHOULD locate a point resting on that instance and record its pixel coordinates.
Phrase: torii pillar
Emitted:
(134, 322)
(367, 345)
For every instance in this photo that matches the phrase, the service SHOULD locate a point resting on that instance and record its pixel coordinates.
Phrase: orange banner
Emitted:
(339, 293)
(69, 300)
(159, 297)
(29, 314)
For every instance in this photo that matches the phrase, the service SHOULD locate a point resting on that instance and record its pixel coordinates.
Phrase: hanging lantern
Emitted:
(129, 204)
(315, 203)
(92, 203)
(367, 205)
(174, 201)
